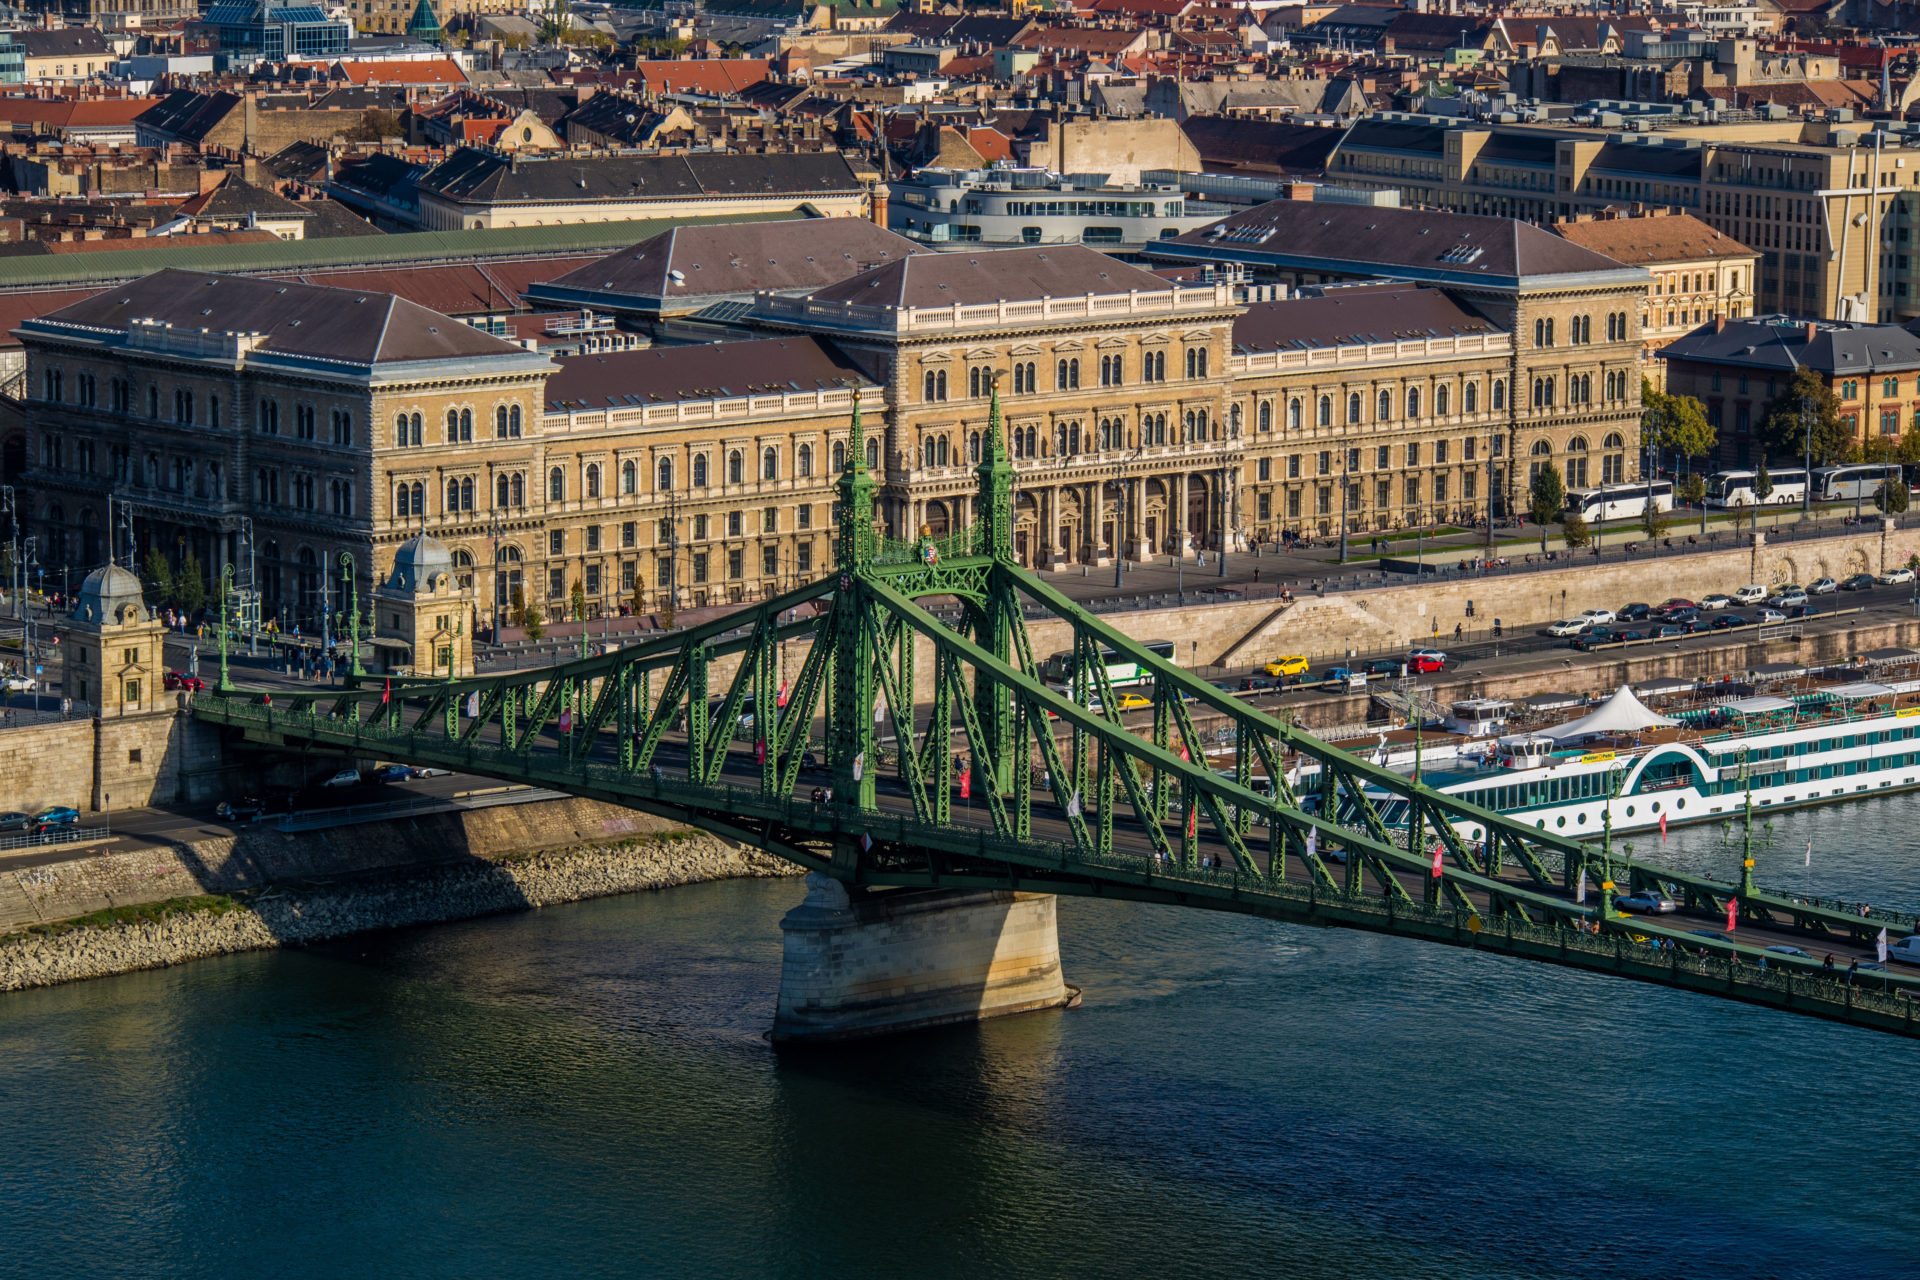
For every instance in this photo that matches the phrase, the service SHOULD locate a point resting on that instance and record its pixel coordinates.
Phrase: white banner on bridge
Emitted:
(1880, 946)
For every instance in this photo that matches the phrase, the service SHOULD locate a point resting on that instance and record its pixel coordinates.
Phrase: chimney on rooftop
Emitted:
(1812, 330)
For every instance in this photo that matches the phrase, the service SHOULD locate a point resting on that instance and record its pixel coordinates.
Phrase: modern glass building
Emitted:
(278, 31)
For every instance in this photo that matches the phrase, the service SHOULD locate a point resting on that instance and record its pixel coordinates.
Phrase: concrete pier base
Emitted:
(893, 961)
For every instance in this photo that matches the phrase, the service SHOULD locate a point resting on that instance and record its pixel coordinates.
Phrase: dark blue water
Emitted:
(585, 1091)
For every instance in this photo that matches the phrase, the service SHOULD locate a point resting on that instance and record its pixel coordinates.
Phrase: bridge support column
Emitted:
(883, 962)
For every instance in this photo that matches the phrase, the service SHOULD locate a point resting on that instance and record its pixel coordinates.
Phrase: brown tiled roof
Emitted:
(703, 75)
(1675, 237)
(942, 279)
(1369, 239)
(299, 319)
(454, 289)
(717, 370)
(741, 258)
(1346, 317)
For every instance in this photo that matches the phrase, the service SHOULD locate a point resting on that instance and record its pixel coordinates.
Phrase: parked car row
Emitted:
(1678, 616)
(40, 823)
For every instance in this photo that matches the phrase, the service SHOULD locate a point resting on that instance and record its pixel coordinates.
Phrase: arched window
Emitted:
(973, 447)
(1293, 414)
(1266, 416)
(399, 430)
(466, 494)
(803, 461)
(466, 426)
(1442, 398)
(926, 452)
(1499, 394)
(940, 452)
(1202, 423)
(629, 477)
(453, 495)
(500, 423)
(1470, 398)
(556, 485)
(973, 382)
(1613, 467)
(1413, 402)
(519, 489)
(699, 470)
(1353, 407)
(1383, 408)
(1234, 422)
(736, 468)
(593, 480)
(500, 493)
(419, 498)
(1577, 463)
(839, 456)
(769, 463)
(663, 475)
(453, 426)
(873, 455)
(1326, 411)
(402, 501)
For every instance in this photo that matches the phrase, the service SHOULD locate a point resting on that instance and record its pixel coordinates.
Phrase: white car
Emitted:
(344, 778)
(1897, 577)
(1822, 587)
(1752, 593)
(1716, 601)
(1768, 616)
(1439, 654)
(18, 684)
(1569, 626)
(1906, 951)
(1597, 617)
(1788, 598)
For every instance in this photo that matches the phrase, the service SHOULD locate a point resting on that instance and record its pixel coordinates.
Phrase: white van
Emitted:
(1752, 593)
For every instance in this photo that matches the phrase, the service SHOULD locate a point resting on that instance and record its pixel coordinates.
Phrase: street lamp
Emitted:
(1119, 531)
(1806, 491)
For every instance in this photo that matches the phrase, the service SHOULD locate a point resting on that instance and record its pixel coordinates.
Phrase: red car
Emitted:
(180, 680)
(1421, 663)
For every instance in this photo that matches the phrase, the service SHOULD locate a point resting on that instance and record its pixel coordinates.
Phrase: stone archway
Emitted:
(1857, 562)
(1152, 521)
(938, 520)
(1782, 571)
(1199, 524)
(1026, 528)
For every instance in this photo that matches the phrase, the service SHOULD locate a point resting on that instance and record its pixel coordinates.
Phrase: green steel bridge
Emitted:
(907, 750)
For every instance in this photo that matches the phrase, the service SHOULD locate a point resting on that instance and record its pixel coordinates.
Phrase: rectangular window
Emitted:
(629, 533)
(1293, 504)
(1413, 491)
(1265, 469)
(593, 537)
(770, 560)
(733, 524)
(1382, 494)
(1466, 449)
(1381, 459)
(1413, 453)
(663, 572)
(1293, 466)
(1326, 462)
(1323, 501)
(803, 516)
(736, 562)
(556, 583)
(1266, 506)
(699, 528)
(770, 520)
(133, 691)
(593, 580)
(557, 542)
(1470, 485)
(699, 566)
(803, 557)
(1439, 453)
(1439, 488)
(628, 573)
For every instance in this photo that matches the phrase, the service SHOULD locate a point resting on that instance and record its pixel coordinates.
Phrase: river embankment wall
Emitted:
(111, 910)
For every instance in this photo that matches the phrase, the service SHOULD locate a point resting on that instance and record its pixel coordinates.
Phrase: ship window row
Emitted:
(1814, 746)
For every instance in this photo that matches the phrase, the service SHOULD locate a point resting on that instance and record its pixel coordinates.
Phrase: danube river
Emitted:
(585, 1091)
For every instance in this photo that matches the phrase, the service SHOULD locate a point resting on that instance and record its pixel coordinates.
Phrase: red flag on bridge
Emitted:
(1733, 913)
(1663, 826)
(386, 690)
(760, 751)
(1193, 823)
(966, 783)
(1436, 862)
(781, 701)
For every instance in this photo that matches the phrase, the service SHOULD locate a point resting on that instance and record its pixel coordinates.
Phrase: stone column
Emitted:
(883, 962)
(1177, 514)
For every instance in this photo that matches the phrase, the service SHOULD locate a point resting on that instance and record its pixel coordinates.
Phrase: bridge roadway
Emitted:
(967, 853)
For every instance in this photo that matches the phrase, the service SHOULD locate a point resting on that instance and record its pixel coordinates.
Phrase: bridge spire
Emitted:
(996, 485)
(855, 543)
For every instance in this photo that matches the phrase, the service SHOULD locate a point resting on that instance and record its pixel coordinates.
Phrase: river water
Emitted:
(585, 1091)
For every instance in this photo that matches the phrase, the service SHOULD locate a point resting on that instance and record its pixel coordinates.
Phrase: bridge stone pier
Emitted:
(876, 963)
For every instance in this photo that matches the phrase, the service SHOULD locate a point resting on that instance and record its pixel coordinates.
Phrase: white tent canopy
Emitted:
(1622, 713)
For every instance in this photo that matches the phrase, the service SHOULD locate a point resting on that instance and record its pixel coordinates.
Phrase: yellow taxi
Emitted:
(1293, 664)
(1134, 702)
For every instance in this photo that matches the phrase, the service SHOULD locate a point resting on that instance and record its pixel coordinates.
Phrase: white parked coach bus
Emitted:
(1615, 501)
(1735, 488)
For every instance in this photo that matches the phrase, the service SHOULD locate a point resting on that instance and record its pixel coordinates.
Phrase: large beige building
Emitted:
(1699, 274)
(1146, 417)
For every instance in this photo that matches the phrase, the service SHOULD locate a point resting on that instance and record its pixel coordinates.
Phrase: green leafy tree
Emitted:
(156, 579)
(527, 617)
(1762, 490)
(577, 601)
(1892, 498)
(1907, 448)
(1574, 531)
(1806, 401)
(189, 585)
(1678, 423)
(1693, 490)
(1654, 520)
(1545, 496)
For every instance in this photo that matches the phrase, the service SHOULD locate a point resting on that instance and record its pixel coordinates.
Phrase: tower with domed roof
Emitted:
(113, 654)
(422, 605)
